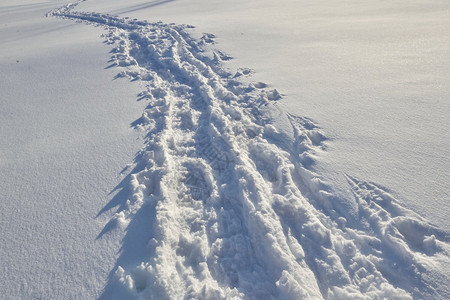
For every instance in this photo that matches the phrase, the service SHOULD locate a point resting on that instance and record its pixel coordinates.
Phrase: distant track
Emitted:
(237, 210)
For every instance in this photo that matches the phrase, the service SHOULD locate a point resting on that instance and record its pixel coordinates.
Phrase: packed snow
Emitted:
(229, 196)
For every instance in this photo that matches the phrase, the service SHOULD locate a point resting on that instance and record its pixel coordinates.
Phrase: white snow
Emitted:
(64, 138)
(235, 192)
(374, 75)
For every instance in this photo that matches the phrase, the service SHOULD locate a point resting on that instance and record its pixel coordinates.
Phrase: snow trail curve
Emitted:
(235, 207)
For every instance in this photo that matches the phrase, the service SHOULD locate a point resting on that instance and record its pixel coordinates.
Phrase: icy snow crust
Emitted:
(234, 207)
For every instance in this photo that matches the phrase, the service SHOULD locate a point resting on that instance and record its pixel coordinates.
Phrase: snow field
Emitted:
(64, 137)
(235, 206)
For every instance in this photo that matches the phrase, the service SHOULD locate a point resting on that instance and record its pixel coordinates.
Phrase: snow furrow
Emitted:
(237, 209)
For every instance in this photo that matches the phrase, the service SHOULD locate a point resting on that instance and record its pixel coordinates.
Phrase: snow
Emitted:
(64, 137)
(373, 75)
(235, 192)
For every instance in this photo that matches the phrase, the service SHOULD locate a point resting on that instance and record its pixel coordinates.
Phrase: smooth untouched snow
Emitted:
(227, 199)
(64, 137)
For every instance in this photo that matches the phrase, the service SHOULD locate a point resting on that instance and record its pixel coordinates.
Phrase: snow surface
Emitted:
(373, 74)
(230, 196)
(64, 138)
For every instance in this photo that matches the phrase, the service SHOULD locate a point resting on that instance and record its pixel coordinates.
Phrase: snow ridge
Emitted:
(235, 206)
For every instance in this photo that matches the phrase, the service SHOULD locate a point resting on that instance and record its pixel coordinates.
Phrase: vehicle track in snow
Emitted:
(236, 209)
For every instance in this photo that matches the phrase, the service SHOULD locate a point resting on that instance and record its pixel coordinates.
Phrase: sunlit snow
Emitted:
(193, 149)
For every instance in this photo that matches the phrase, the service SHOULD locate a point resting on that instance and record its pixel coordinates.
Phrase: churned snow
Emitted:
(216, 183)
